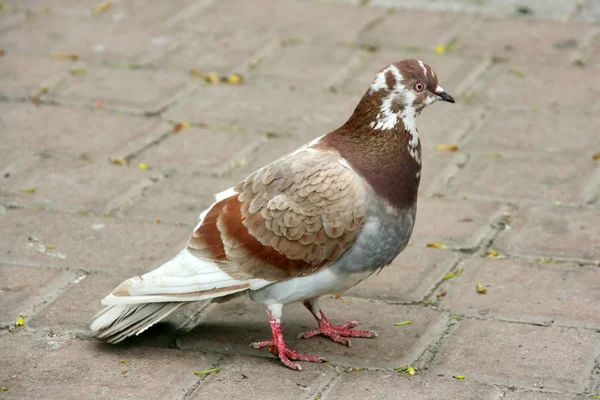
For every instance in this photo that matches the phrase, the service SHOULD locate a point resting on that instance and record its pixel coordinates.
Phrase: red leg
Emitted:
(277, 346)
(337, 333)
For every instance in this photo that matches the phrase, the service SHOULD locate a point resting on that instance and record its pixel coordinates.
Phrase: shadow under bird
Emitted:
(312, 223)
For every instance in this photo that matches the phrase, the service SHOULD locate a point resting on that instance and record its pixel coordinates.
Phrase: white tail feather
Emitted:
(142, 301)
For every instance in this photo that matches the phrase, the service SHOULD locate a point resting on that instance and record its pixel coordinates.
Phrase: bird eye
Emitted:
(419, 86)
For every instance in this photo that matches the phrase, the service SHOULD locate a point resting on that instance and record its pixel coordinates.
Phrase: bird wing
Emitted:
(289, 218)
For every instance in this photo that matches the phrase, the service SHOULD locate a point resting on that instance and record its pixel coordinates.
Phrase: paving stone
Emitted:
(381, 385)
(204, 150)
(120, 247)
(135, 91)
(295, 63)
(230, 327)
(541, 396)
(245, 377)
(74, 309)
(509, 177)
(458, 224)
(547, 232)
(25, 76)
(178, 198)
(550, 358)
(410, 278)
(517, 39)
(93, 133)
(526, 291)
(404, 30)
(557, 9)
(291, 18)
(24, 290)
(73, 184)
(530, 85)
(536, 131)
(259, 106)
(54, 368)
(223, 51)
(93, 41)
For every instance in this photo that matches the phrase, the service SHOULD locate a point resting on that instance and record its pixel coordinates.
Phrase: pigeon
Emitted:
(312, 223)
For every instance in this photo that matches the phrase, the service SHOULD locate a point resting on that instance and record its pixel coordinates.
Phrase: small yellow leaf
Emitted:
(452, 43)
(492, 253)
(446, 147)
(336, 296)
(481, 289)
(78, 70)
(143, 166)
(557, 203)
(596, 156)
(402, 323)
(458, 271)
(212, 78)
(119, 161)
(3, 389)
(31, 190)
(369, 48)
(99, 9)
(406, 369)
(208, 371)
(449, 275)
(345, 300)
(125, 362)
(178, 127)
(516, 73)
(437, 245)
(441, 49)
(65, 56)
(455, 317)
(20, 321)
(235, 79)
(459, 377)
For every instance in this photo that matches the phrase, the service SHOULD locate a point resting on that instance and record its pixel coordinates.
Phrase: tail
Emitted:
(142, 301)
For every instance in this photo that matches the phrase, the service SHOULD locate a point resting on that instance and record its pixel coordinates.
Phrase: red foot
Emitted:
(337, 333)
(278, 348)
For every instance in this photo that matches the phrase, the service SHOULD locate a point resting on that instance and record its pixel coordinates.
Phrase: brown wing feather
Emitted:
(287, 219)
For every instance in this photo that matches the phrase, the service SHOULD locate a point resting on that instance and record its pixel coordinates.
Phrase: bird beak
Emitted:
(441, 93)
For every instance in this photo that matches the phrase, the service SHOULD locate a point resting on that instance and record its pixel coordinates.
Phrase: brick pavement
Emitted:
(516, 206)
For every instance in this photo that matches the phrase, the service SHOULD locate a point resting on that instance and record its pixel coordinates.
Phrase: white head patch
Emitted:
(387, 118)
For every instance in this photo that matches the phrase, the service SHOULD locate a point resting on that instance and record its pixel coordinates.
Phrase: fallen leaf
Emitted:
(446, 147)
(452, 43)
(481, 289)
(468, 99)
(523, 9)
(157, 221)
(44, 90)
(78, 70)
(492, 253)
(235, 79)
(459, 377)
(65, 56)
(125, 362)
(442, 294)
(455, 317)
(119, 161)
(212, 78)
(441, 49)
(2, 52)
(557, 203)
(596, 156)
(20, 321)
(458, 271)
(402, 323)
(406, 369)
(345, 300)
(270, 135)
(208, 371)
(3, 389)
(99, 9)
(449, 275)
(337, 296)
(437, 245)
(100, 104)
(30, 190)
(596, 396)
(143, 166)
(369, 48)
(516, 73)
(178, 127)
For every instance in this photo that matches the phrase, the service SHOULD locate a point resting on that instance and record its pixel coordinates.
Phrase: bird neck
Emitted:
(389, 158)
